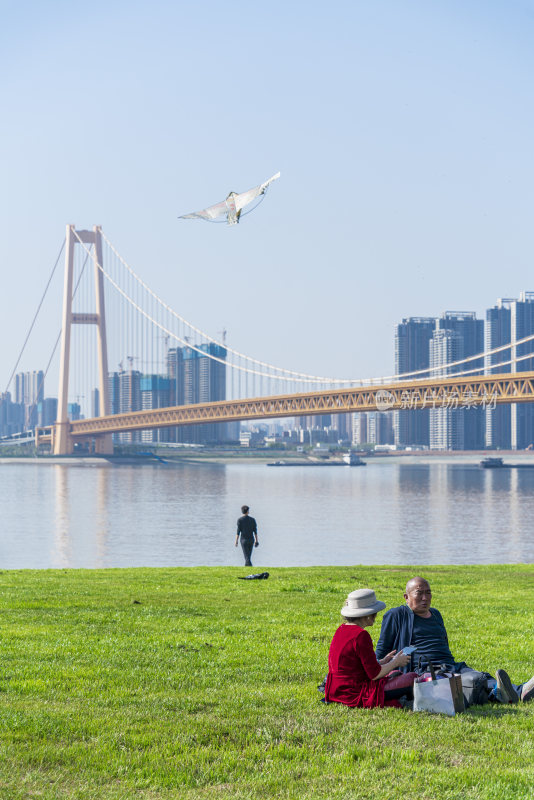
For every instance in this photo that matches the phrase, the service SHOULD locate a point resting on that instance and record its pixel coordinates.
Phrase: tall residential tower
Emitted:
(458, 335)
(412, 341)
(497, 334)
(197, 376)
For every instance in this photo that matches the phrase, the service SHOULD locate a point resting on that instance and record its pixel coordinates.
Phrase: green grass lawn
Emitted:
(206, 687)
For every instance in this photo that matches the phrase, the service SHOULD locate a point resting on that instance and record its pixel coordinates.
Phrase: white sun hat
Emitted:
(361, 603)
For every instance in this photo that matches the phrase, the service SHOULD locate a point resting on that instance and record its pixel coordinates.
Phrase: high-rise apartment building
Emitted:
(74, 411)
(446, 424)
(29, 391)
(155, 393)
(522, 325)
(125, 396)
(29, 387)
(498, 333)
(194, 375)
(359, 429)
(412, 353)
(380, 427)
(47, 411)
(510, 426)
(342, 424)
(175, 358)
(130, 390)
(114, 393)
(11, 415)
(130, 400)
(197, 376)
(458, 335)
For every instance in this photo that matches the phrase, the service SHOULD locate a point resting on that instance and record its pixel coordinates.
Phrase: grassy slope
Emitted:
(207, 687)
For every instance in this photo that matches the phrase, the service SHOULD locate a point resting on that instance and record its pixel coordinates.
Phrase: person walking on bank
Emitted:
(248, 530)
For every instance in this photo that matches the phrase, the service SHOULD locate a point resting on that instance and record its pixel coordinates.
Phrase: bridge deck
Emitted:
(463, 392)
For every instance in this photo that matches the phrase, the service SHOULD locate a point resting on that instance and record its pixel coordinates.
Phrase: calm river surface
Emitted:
(393, 511)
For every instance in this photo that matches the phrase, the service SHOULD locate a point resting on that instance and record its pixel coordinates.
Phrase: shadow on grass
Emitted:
(493, 710)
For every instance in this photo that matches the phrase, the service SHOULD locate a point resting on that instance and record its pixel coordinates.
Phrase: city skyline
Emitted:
(424, 345)
(403, 364)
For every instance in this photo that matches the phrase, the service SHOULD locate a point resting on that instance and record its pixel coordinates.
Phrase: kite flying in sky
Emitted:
(232, 207)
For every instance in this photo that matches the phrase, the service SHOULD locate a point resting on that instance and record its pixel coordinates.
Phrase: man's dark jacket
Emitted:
(397, 630)
(246, 526)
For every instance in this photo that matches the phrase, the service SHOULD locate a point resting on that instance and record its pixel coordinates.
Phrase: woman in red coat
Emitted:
(355, 677)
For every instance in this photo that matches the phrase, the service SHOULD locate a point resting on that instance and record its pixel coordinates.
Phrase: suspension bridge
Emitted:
(111, 316)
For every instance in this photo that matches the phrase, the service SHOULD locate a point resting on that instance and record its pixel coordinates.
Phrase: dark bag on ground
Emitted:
(475, 688)
(259, 577)
(474, 683)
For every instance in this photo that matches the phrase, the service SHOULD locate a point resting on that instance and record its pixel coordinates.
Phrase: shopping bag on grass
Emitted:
(441, 696)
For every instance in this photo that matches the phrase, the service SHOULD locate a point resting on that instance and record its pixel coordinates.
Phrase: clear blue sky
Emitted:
(403, 132)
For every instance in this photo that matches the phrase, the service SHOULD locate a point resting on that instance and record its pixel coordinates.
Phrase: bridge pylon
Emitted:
(62, 441)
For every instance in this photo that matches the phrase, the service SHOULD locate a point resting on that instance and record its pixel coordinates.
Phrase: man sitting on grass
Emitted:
(419, 625)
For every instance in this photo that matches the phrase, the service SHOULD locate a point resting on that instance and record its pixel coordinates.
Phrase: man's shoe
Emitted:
(527, 690)
(504, 691)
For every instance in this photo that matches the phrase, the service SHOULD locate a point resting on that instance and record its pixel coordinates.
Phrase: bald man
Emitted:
(420, 625)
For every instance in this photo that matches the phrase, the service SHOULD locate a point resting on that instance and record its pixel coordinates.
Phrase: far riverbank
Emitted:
(161, 456)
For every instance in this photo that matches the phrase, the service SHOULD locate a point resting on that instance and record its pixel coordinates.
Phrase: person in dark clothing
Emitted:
(248, 530)
(419, 625)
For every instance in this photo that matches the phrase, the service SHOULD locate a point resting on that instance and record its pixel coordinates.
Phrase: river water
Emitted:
(393, 511)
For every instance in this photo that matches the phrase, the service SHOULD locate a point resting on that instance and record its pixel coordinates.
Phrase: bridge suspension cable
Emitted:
(291, 374)
(248, 365)
(41, 301)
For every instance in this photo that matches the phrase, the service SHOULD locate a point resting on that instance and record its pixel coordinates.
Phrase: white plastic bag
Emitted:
(434, 696)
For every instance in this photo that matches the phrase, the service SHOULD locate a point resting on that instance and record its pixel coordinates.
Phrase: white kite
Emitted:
(232, 207)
